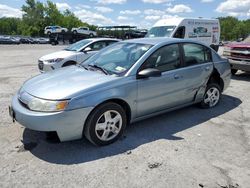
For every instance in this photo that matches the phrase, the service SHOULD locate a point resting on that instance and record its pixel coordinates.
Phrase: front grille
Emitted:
(241, 49)
(241, 55)
(40, 65)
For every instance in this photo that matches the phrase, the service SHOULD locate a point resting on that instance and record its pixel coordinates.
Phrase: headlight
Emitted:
(46, 105)
(56, 60)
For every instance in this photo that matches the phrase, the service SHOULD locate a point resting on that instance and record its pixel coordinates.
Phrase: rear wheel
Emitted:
(212, 96)
(74, 32)
(91, 35)
(105, 124)
(234, 71)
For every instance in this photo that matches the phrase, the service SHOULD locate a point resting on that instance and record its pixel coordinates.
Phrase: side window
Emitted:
(97, 45)
(196, 54)
(180, 33)
(164, 59)
(109, 42)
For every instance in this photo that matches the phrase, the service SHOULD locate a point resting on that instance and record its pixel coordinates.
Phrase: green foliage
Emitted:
(36, 17)
(233, 29)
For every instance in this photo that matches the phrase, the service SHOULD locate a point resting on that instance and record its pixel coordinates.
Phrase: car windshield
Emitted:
(161, 31)
(118, 58)
(78, 45)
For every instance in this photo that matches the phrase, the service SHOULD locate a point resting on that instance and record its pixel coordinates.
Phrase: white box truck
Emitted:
(204, 30)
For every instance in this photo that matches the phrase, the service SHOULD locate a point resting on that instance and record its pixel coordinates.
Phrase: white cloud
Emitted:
(156, 1)
(104, 9)
(234, 7)
(207, 1)
(179, 9)
(152, 17)
(105, 2)
(130, 12)
(63, 6)
(122, 18)
(93, 18)
(79, 7)
(7, 11)
(153, 12)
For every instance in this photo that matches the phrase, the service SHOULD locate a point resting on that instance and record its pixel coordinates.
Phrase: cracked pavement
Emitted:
(190, 147)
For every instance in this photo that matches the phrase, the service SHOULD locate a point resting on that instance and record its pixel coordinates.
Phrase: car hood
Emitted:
(65, 83)
(59, 54)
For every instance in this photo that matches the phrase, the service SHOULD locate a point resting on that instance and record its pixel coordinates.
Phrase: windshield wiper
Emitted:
(100, 68)
(83, 67)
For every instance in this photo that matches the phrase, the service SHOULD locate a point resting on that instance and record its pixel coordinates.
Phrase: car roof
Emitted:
(161, 40)
(153, 41)
(100, 39)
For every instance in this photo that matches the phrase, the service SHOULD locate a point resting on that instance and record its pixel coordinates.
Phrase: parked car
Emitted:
(135, 34)
(238, 55)
(54, 29)
(73, 54)
(41, 40)
(8, 40)
(27, 40)
(84, 30)
(200, 29)
(123, 83)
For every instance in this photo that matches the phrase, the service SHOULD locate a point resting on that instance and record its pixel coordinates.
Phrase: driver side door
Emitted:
(168, 90)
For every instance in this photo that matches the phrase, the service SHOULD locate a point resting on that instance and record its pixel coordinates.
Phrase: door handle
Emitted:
(176, 76)
(207, 68)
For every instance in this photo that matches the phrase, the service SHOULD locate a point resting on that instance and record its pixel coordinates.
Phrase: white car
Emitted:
(73, 54)
(84, 30)
(54, 29)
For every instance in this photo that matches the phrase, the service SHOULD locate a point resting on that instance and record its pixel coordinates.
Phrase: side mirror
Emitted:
(150, 72)
(87, 49)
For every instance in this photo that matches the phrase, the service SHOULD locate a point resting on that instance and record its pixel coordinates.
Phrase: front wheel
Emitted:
(212, 96)
(105, 124)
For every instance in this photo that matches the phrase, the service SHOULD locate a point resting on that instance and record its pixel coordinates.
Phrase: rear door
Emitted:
(198, 67)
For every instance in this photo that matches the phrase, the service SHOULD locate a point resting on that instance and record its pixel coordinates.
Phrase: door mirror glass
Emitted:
(149, 72)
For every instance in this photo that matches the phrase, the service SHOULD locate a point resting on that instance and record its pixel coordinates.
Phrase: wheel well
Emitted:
(123, 104)
(215, 78)
(69, 63)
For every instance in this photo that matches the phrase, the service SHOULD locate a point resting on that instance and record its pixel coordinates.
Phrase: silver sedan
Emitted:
(126, 82)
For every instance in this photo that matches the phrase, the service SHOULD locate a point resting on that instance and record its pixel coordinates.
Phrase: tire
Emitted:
(74, 32)
(91, 35)
(48, 32)
(215, 95)
(234, 71)
(109, 129)
(63, 31)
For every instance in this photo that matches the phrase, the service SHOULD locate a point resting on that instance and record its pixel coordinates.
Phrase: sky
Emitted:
(140, 13)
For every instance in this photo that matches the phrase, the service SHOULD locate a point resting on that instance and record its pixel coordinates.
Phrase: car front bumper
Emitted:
(240, 64)
(68, 124)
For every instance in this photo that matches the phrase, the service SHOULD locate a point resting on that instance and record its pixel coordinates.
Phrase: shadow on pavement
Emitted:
(160, 127)
(243, 76)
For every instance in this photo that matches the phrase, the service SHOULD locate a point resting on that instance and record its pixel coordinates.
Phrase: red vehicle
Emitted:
(238, 55)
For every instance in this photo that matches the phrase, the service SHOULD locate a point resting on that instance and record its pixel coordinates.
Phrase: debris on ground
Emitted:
(154, 165)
